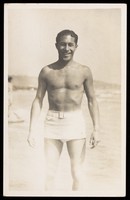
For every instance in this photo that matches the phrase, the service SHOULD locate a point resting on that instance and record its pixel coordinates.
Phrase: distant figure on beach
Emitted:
(12, 115)
(65, 82)
(10, 90)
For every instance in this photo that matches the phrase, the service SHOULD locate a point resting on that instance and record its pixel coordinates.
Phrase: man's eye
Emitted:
(62, 44)
(71, 45)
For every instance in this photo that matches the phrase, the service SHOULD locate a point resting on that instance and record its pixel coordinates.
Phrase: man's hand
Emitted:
(31, 140)
(94, 139)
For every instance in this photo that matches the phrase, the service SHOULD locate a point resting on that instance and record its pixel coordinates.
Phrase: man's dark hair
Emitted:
(67, 32)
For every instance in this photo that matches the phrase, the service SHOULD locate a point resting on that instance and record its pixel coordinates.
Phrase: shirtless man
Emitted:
(65, 82)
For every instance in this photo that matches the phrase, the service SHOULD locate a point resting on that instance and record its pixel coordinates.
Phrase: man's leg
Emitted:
(53, 150)
(76, 150)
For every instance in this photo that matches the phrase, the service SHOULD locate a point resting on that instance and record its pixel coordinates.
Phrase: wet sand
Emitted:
(104, 165)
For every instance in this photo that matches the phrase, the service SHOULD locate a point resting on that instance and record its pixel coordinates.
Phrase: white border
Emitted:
(5, 142)
(123, 92)
(123, 8)
(64, 6)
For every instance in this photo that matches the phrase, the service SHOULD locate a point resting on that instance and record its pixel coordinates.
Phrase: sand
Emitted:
(104, 171)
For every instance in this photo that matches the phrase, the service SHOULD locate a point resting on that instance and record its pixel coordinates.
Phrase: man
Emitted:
(65, 82)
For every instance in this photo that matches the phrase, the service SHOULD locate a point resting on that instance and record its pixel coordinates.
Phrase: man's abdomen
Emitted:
(65, 99)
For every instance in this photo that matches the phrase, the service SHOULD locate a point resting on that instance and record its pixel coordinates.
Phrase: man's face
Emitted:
(66, 47)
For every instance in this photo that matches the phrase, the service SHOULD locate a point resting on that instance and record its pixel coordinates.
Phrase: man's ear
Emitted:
(56, 45)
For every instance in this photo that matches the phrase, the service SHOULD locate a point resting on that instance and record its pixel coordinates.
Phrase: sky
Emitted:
(30, 33)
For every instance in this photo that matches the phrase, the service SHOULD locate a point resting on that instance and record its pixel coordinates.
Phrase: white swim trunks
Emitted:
(64, 126)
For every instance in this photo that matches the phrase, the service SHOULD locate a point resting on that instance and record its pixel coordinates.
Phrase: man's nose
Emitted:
(66, 47)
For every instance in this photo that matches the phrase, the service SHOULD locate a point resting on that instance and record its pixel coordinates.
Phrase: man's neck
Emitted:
(62, 63)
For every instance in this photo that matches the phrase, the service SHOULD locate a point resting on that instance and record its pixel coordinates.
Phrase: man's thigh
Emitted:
(76, 149)
(52, 149)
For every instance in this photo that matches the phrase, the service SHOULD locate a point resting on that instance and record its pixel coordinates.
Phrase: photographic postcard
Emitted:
(30, 32)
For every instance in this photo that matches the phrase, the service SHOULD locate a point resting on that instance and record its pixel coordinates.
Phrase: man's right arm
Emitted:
(93, 108)
(36, 108)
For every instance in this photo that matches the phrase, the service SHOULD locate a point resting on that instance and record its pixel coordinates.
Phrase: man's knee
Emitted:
(51, 169)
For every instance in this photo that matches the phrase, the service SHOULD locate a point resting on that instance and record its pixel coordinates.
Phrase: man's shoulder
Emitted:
(45, 69)
(48, 67)
(85, 68)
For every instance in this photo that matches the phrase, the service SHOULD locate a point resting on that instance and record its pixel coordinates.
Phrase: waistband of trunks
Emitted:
(63, 114)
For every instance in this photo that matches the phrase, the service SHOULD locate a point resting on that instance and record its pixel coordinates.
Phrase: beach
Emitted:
(104, 164)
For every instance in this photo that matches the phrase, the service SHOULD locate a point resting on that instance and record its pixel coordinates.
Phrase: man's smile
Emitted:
(66, 54)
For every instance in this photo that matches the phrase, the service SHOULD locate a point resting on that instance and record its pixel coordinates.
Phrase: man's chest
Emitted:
(57, 79)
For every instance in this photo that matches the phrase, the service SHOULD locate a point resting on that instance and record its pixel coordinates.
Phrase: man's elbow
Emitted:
(37, 101)
(92, 100)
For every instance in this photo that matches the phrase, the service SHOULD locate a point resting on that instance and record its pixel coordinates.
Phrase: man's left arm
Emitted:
(93, 108)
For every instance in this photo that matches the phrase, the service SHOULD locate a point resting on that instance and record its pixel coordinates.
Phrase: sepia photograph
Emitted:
(64, 99)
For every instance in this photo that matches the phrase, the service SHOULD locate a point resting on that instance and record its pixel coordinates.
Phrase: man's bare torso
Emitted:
(65, 86)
